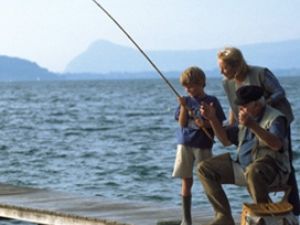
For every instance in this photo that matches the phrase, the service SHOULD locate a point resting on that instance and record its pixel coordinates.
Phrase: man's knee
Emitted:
(202, 168)
(206, 170)
(261, 172)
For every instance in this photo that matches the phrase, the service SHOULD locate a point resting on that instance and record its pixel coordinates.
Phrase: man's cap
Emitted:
(247, 94)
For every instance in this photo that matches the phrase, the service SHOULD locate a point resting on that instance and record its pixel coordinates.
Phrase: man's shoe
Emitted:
(222, 220)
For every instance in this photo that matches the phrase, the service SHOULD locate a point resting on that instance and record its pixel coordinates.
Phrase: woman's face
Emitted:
(227, 70)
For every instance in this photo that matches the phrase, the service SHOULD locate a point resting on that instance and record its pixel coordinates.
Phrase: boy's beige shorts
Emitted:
(187, 158)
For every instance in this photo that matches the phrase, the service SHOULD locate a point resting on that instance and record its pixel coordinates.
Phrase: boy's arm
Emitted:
(183, 112)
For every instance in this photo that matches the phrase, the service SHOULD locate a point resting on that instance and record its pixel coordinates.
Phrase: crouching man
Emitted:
(262, 160)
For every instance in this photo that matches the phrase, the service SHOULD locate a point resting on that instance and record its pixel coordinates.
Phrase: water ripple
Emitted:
(95, 139)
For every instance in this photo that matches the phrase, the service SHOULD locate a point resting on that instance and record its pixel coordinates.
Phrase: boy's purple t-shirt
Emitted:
(192, 135)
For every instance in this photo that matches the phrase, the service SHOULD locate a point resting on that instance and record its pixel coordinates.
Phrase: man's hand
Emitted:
(245, 118)
(208, 111)
(199, 122)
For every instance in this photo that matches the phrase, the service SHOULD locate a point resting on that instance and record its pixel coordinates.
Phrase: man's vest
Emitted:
(261, 149)
(255, 76)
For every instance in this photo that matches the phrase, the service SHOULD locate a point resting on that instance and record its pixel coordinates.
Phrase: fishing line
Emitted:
(138, 47)
(148, 59)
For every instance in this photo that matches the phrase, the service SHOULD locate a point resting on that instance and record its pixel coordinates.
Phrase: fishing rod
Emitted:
(138, 47)
(148, 59)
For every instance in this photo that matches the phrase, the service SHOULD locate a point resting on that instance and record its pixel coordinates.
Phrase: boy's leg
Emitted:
(183, 168)
(212, 173)
(186, 188)
(186, 201)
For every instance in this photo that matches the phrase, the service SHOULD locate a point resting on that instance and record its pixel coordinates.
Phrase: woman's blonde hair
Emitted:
(193, 75)
(234, 58)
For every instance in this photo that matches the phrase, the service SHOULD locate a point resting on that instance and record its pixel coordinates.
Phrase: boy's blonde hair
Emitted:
(193, 75)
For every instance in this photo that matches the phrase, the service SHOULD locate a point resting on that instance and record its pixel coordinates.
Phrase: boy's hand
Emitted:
(181, 100)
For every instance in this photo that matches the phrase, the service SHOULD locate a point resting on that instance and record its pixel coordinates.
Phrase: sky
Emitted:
(53, 32)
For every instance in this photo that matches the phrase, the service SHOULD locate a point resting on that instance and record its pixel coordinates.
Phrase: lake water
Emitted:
(112, 138)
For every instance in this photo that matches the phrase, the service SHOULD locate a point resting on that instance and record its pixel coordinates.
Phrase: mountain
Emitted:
(16, 69)
(106, 57)
(106, 60)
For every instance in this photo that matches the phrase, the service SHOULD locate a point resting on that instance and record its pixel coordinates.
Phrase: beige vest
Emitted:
(261, 149)
(255, 76)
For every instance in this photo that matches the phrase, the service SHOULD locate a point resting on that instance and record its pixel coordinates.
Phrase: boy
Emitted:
(193, 144)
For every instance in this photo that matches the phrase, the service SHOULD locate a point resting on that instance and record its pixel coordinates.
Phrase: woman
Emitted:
(238, 73)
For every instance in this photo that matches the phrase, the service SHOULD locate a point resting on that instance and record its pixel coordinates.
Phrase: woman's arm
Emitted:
(272, 86)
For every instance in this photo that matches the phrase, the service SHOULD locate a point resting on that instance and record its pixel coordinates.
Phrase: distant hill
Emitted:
(16, 69)
(106, 57)
(105, 60)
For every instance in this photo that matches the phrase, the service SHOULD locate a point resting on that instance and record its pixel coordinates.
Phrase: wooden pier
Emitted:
(43, 206)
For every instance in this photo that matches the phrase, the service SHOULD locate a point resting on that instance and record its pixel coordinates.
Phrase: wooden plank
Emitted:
(44, 206)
